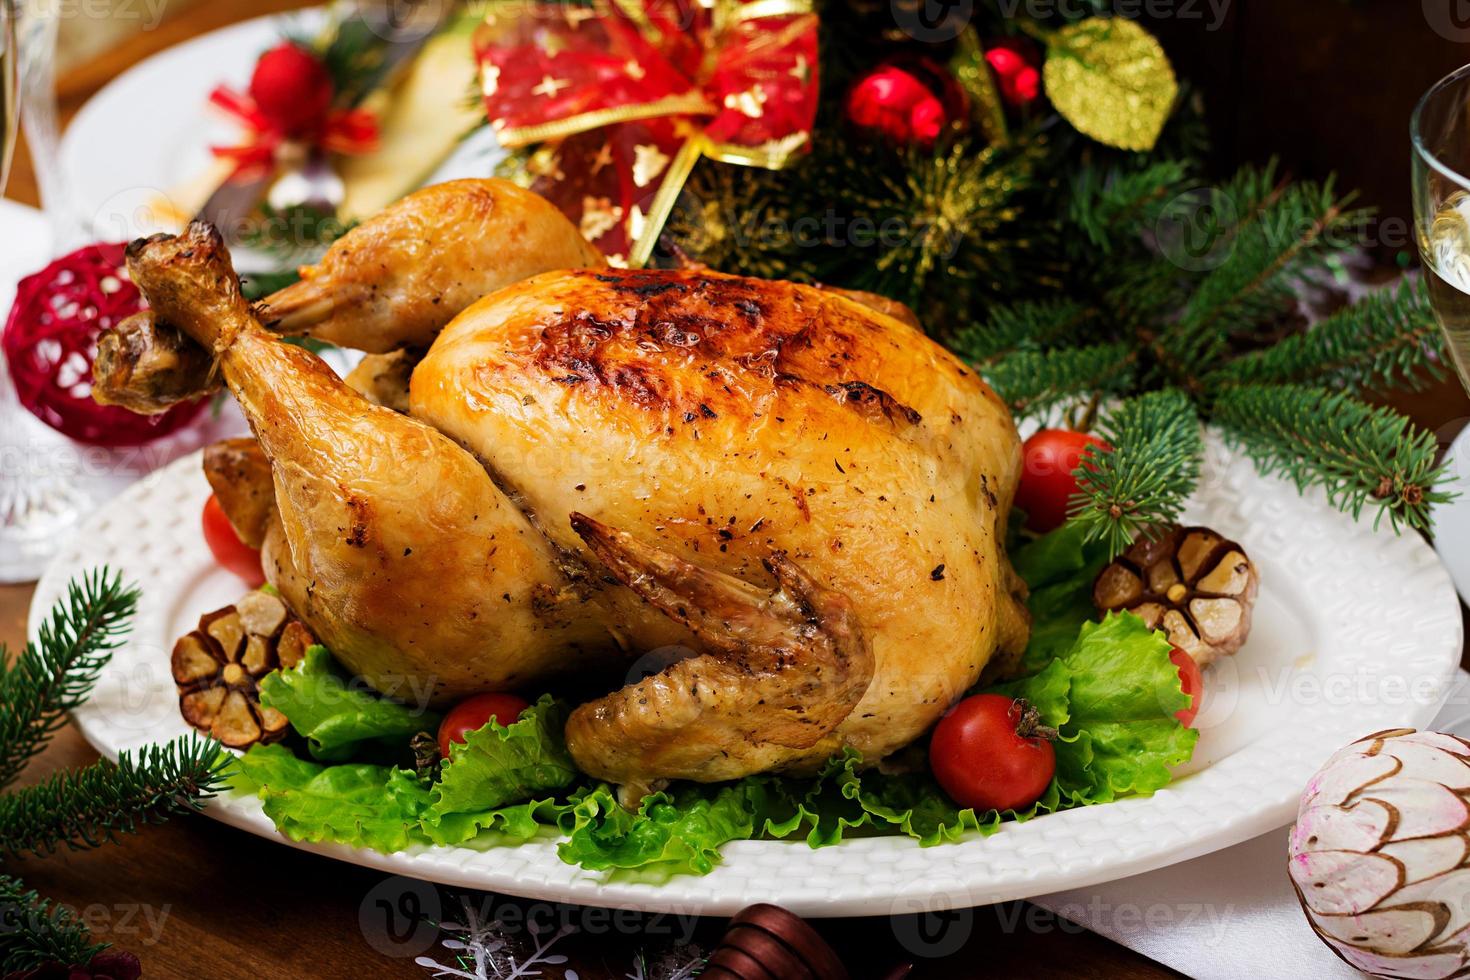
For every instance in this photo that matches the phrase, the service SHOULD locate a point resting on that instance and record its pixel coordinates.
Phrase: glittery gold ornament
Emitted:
(1111, 79)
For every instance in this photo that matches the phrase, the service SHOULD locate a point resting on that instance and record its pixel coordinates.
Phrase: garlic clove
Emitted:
(1217, 619)
(193, 659)
(261, 613)
(1194, 551)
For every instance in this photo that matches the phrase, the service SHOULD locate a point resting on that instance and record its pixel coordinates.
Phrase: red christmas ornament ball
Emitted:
(292, 88)
(50, 342)
(1017, 71)
(897, 103)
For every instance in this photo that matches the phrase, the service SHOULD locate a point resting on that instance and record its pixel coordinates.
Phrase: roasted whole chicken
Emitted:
(793, 498)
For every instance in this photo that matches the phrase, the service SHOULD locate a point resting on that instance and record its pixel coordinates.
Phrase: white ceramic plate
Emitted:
(1355, 631)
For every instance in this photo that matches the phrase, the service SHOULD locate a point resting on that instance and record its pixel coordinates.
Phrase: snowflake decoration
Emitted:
(484, 950)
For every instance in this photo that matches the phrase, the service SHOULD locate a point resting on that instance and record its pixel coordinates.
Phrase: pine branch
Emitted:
(33, 931)
(1106, 205)
(1033, 326)
(1358, 454)
(1263, 255)
(57, 672)
(1152, 469)
(91, 806)
(1031, 382)
(1386, 340)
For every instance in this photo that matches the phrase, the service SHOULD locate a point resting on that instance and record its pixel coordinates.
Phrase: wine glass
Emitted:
(1440, 130)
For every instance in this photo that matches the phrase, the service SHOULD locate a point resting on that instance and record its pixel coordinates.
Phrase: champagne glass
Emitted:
(42, 489)
(9, 81)
(1440, 130)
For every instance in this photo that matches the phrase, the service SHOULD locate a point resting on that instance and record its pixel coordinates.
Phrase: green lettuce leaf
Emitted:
(498, 764)
(678, 832)
(1112, 696)
(334, 717)
(1059, 569)
(357, 804)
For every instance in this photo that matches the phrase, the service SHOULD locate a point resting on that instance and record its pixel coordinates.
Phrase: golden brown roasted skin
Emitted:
(387, 538)
(395, 280)
(722, 420)
(804, 494)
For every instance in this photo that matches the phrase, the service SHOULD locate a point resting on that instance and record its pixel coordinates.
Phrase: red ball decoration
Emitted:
(50, 342)
(897, 103)
(1017, 69)
(292, 89)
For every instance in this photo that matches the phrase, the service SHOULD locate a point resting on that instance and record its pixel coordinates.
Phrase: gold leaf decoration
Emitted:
(1111, 79)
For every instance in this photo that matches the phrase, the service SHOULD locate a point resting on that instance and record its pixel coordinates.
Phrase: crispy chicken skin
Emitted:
(725, 419)
(804, 495)
(387, 537)
(374, 291)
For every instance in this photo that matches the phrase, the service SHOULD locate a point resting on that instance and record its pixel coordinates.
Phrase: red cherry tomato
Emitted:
(474, 713)
(1193, 683)
(228, 549)
(1047, 461)
(987, 754)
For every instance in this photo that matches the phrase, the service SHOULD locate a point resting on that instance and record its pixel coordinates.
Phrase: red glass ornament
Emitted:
(292, 89)
(50, 342)
(1017, 70)
(895, 102)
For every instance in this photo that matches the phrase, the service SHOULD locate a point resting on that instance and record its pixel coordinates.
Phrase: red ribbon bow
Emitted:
(347, 131)
(627, 95)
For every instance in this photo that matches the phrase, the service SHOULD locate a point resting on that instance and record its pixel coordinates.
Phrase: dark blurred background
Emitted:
(1326, 85)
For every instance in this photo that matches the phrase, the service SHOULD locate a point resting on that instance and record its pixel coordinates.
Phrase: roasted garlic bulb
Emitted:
(218, 665)
(1192, 583)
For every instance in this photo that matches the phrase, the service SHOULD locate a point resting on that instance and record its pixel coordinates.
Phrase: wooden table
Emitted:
(197, 899)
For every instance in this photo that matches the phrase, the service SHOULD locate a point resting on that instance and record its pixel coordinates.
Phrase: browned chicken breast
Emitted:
(803, 497)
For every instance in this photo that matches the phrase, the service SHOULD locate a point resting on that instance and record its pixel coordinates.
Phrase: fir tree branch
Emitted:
(57, 672)
(1036, 325)
(1264, 255)
(1151, 470)
(1358, 454)
(1108, 205)
(91, 806)
(1386, 340)
(1031, 382)
(33, 931)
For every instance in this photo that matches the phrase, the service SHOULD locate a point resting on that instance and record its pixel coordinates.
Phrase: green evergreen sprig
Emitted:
(1107, 204)
(1265, 254)
(1144, 480)
(1387, 340)
(1359, 454)
(56, 673)
(1031, 326)
(33, 931)
(1033, 382)
(89, 807)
